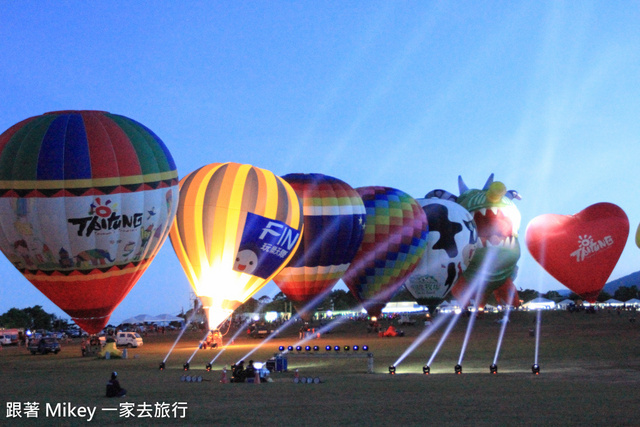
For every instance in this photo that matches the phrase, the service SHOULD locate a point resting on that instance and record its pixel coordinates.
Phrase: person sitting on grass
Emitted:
(113, 387)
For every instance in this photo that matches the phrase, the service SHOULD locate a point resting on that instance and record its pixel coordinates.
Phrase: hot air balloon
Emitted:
(86, 200)
(237, 226)
(334, 218)
(451, 244)
(395, 238)
(497, 219)
(580, 250)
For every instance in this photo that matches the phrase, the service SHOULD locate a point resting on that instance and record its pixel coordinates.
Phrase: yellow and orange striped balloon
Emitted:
(236, 227)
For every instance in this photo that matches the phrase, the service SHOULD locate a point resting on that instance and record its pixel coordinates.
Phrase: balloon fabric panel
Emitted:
(83, 235)
(394, 241)
(334, 223)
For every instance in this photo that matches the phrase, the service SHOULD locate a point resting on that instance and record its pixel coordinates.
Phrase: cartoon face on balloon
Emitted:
(451, 244)
(246, 261)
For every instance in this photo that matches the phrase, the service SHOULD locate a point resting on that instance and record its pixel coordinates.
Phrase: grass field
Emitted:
(590, 374)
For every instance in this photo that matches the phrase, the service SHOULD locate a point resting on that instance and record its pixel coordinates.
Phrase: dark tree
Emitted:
(625, 293)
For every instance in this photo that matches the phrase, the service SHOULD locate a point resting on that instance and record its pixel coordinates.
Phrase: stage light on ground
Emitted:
(535, 369)
(208, 367)
(290, 348)
(356, 348)
(347, 348)
(493, 369)
(426, 370)
(281, 348)
(307, 348)
(365, 348)
(328, 348)
(392, 370)
(162, 366)
(336, 348)
(186, 366)
(316, 348)
(298, 348)
(458, 369)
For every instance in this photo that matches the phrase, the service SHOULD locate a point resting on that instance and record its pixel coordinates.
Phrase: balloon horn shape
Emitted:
(86, 201)
(580, 250)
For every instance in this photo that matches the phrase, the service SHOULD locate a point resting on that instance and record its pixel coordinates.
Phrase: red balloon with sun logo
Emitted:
(86, 201)
(580, 250)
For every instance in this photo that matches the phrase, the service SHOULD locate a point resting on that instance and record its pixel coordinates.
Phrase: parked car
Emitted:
(44, 345)
(128, 339)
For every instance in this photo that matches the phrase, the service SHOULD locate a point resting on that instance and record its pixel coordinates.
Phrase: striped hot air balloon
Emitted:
(86, 201)
(395, 238)
(237, 226)
(334, 218)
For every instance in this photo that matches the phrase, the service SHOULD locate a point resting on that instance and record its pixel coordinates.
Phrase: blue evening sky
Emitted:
(405, 94)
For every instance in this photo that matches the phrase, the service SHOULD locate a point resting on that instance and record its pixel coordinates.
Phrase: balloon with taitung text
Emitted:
(451, 244)
(86, 201)
(497, 220)
(395, 238)
(236, 227)
(580, 250)
(334, 221)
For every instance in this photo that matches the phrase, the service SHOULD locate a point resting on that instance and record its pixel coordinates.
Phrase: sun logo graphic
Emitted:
(588, 246)
(102, 210)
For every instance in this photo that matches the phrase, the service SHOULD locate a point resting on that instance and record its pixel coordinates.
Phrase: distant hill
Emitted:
(611, 287)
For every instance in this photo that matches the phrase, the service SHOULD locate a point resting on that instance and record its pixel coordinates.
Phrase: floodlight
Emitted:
(162, 366)
(392, 370)
(186, 366)
(493, 369)
(426, 370)
(535, 369)
(208, 367)
(458, 369)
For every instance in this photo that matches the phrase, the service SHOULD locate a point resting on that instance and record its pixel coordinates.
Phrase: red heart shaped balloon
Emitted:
(580, 250)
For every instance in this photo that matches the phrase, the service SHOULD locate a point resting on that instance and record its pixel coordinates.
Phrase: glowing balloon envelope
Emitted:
(237, 226)
(580, 250)
(334, 219)
(395, 238)
(451, 244)
(86, 201)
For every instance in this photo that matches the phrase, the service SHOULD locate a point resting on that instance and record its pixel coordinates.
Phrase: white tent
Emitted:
(633, 302)
(539, 304)
(564, 304)
(612, 303)
(141, 318)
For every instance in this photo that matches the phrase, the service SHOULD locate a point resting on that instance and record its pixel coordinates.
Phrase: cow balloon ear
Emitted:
(513, 194)
(441, 194)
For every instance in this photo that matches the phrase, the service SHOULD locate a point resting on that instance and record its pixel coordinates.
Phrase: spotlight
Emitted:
(493, 369)
(328, 348)
(162, 366)
(186, 366)
(208, 367)
(426, 370)
(316, 348)
(281, 348)
(356, 348)
(347, 348)
(392, 370)
(535, 369)
(365, 348)
(336, 348)
(290, 348)
(307, 348)
(458, 369)
(298, 348)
